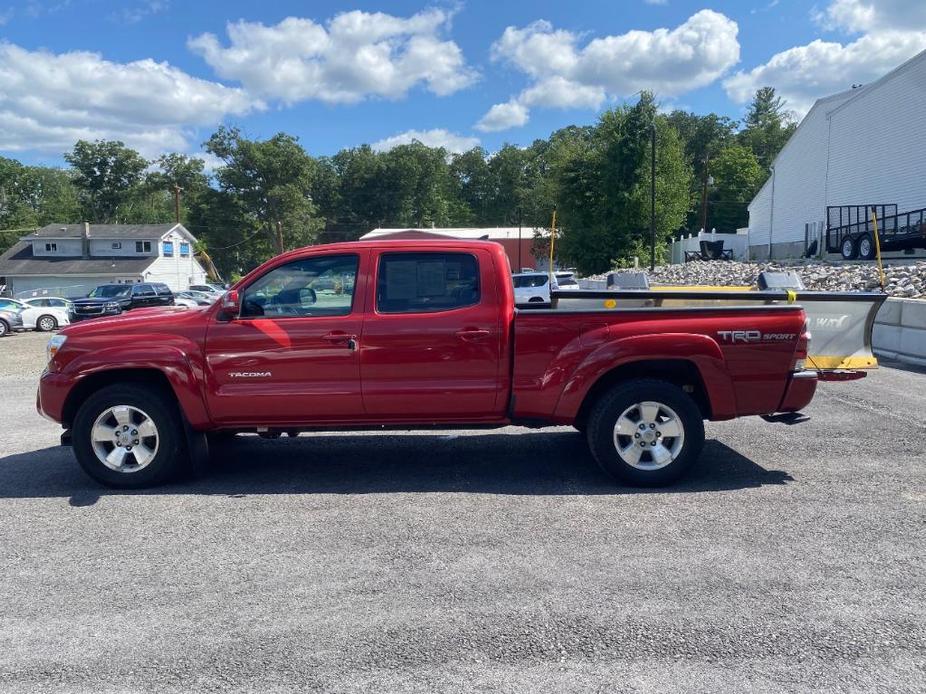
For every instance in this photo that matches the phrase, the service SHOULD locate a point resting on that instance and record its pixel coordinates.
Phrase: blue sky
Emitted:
(161, 74)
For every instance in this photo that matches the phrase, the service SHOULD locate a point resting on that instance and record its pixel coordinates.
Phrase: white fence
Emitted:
(738, 242)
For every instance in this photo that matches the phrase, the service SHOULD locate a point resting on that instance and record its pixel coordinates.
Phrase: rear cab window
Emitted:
(426, 282)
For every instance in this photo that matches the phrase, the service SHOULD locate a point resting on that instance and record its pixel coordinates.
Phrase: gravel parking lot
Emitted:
(792, 559)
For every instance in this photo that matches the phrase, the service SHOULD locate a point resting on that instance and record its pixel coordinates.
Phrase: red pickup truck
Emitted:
(413, 334)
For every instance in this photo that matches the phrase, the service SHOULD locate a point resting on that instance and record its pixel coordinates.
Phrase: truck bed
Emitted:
(560, 353)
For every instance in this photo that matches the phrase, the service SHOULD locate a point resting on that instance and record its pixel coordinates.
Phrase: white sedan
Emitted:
(43, 313)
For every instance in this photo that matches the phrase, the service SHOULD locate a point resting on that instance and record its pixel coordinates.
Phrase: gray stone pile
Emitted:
(902, 280)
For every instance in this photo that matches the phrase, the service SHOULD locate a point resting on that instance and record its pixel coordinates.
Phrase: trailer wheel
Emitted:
(866, 247)
(646, 432)
(849, 248)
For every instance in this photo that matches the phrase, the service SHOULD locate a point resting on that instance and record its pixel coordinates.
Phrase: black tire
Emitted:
(170, 457)
(866, 247)
(849, 248)
(4, 328)
(613, 404)
(46, 323)
(535, 300)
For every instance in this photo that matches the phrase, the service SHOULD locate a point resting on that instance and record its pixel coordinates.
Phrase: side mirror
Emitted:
(231, 305)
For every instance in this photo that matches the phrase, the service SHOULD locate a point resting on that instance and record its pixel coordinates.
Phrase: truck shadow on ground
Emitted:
(532, 463)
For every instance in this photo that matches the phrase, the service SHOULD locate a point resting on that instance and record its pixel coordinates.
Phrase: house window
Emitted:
(117, 245)
(51, 247)
(184, 250)
(168, 249)
(142, 246)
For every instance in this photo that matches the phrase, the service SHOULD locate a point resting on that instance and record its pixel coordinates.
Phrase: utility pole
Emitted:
(652, 201)
(279, 238)
(177, 190)
(519, 240)
(704, 177)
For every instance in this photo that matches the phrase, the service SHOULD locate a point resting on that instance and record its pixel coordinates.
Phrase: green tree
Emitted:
(605, 191)
(702, 137)
(416, 186)
(33, 196)
(273, 180)
(737, 178)
(107, 175)
(361, 196)
(767, 126)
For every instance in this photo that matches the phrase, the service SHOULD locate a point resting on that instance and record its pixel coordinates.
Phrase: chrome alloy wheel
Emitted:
(649, 435)
(125, 438)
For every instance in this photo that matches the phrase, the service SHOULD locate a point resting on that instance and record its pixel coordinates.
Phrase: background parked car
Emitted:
(193, 298)
(566, 280)
(216, 289)
(38, 317)
(10, 321)
(532, 288)
(113, 299)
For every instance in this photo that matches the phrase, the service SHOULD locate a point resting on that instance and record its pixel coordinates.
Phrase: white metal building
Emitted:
(864, 146)
(72, 259)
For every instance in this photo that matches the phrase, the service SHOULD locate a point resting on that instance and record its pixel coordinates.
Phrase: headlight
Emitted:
(54, 346)
(111, 306)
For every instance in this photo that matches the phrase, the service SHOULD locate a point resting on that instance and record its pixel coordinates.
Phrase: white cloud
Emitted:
(565, 75)
(48, 101)
(656, 2)
(870, 15)
(803, 74)
(511, 114)
(133, 14)
(354, 56)
(437, 137)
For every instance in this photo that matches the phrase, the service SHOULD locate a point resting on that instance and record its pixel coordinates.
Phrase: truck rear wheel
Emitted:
(129, 437)
(646, 432)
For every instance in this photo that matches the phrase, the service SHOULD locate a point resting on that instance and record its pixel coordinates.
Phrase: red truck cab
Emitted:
(413, 334)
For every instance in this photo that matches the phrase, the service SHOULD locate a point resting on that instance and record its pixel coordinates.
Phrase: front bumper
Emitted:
(52, 392)
(76, 317)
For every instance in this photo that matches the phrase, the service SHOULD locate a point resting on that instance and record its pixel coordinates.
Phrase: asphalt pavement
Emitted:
(791, 559)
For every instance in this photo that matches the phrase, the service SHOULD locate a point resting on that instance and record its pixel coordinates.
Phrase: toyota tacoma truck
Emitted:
(416, 334)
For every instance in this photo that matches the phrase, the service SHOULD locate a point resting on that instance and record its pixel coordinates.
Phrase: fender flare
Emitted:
(700, 350)
(183, 377)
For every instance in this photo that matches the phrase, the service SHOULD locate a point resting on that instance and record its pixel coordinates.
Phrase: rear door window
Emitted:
(426, 282)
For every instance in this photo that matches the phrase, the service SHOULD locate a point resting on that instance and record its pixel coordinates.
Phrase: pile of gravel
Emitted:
(908, 280)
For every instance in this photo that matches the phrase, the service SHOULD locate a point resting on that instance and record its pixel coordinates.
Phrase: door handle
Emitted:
(337, 336)
(472, 334)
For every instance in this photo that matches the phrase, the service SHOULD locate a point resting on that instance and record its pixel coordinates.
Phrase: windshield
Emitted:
(522, 281)
(109, 291)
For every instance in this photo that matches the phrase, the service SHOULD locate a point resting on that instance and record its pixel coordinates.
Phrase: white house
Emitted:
(864, 146)
(72, 259)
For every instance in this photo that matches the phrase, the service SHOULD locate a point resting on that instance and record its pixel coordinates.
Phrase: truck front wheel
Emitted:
(129, 436)
(646, 432)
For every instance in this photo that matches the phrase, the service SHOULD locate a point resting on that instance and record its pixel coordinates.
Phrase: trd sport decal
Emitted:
(747, 336)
